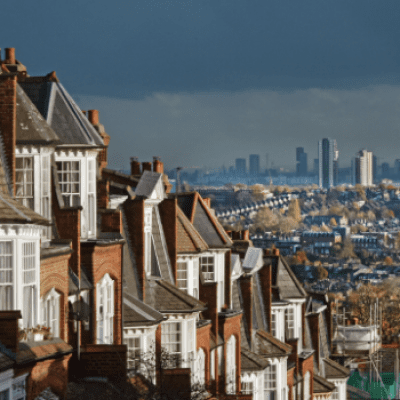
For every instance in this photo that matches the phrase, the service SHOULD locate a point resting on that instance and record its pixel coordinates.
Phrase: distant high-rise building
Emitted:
(374, 167)
(397, 168)
(328, 156)
(385, 169)
(301, 162)
(364, 168)
(254, 164)
(316, 166)
(240, 165)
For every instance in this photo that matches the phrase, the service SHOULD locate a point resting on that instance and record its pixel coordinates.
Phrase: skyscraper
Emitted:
(240, 165)
(328, 163)
(364, 168)
(301, 162)
(254, 164)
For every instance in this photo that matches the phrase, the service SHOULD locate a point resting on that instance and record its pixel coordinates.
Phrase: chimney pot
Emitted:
(207, 200)
(275, 252)
(135, 166)
(146, 166)
(94, 117)
(10, 55)
(158, 166)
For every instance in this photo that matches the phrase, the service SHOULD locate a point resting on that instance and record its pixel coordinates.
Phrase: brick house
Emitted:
(61, 250)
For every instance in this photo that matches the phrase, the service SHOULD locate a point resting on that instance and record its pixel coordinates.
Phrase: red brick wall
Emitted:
(308, 366)
(51, 373)
(103, 190)
(203, 342)
(176, 384)
(100, 260)
(314, 328)
(266, 283)
(293, 355)
(169, 214)
(134, 213)
(103, 360)
(9, 329)
(8, 120)
(246, 287)
(208, 295)
(54, 274)
(229, 327)
(111, 221)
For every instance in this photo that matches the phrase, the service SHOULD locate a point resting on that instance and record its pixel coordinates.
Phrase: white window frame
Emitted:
(50, 306)
(207, 264)
(306, 386)
(29, 279)
(200, 370)
(182, 275)
(270, 382)
(105, 310)
(7, 275)
(27, 196)
(71, 188)
(92, 197)
(46, 194)
(172, 343)
(231, 365)
(135, 350)
(290, 321)
(247, 387)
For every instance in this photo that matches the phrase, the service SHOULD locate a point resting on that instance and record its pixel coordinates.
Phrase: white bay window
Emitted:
(231, 365)
(69, 178)
(270, 382)
(24, 181)
(29, 283)
(187, 278)
(6, 275)
(105, 310)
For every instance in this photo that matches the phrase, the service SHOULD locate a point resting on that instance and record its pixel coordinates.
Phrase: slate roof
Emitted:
(189, 240)
(285, 279)
(335, 370)
(265, 344)
(137, 313)
(33, 351)
(12, 211)
(205, 223)
(5, 362)
(356, 394)
(252, 362)
(321, 385)
(166, 297)
(62, 113)
(160, 247)
(31, 126)
(253, 258)
(147, 183)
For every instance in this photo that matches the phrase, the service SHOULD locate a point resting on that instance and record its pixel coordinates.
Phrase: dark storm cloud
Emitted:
(133, 48)
(215, 128)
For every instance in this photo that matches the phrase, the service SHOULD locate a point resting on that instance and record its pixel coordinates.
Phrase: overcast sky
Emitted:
(204, 82)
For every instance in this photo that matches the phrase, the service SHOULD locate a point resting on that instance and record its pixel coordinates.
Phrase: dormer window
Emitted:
(68, 173)
(24, 181)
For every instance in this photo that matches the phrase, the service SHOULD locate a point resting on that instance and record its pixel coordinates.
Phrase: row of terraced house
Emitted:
(106, 274)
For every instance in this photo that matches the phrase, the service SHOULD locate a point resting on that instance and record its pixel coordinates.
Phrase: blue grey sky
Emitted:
(203, 82)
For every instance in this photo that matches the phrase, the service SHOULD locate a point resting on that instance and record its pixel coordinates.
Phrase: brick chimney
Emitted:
(8, 121)
(275, 252)
(314, 328)
(246, 234)
(294, 357)
(93, 116)
(158, 166)
(10, 55)
(146, 166)
(247, 294)
(235, 235)
(9, 329)
(207, 200)
(135, 166)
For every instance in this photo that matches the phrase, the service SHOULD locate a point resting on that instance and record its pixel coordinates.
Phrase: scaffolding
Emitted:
(359, 347)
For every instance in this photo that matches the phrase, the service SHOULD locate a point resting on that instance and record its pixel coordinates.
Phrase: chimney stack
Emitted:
(135, 166)
(275, 252)
(10, 55)
(235, 235)
(207, 200)
(9, 329)
(158, 166)
(93, 116)
(146, 166)
(246, 234)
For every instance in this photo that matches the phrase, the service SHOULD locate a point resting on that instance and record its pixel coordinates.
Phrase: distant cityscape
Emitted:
(326, 171)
